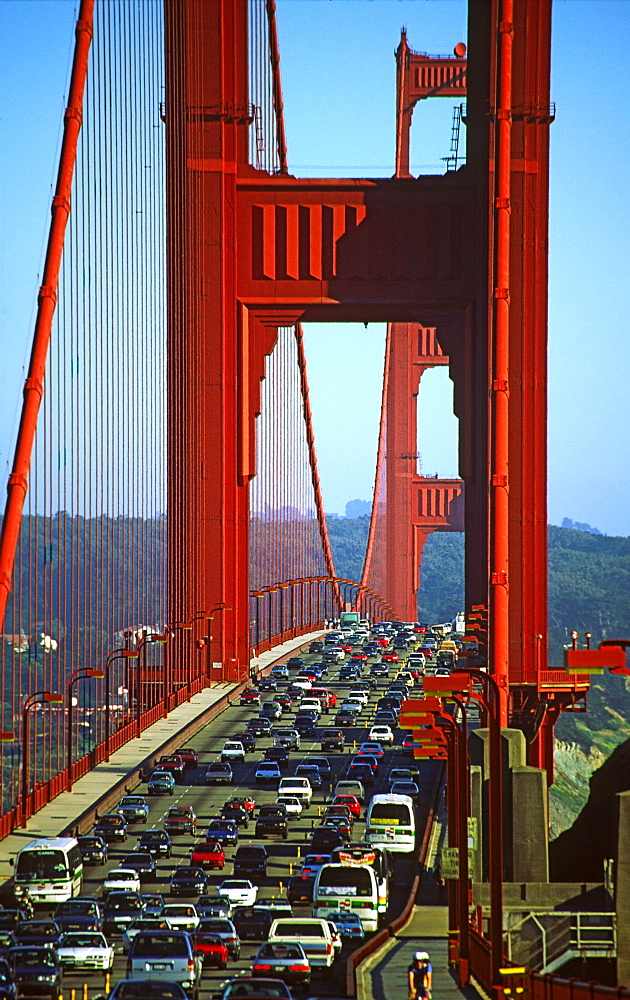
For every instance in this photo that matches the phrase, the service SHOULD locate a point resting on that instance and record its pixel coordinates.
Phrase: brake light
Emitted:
(191, 966)
(296, 968)
(329, 948)
(262, 968)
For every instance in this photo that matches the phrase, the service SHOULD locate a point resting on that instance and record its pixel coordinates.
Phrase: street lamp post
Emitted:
(39, 698)
(123, 653)
(148, 637)
(74, 677)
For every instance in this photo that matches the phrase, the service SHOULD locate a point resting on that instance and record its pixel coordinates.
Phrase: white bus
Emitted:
(391, 823)
(347, 887)
(380, 861)
(51, 870)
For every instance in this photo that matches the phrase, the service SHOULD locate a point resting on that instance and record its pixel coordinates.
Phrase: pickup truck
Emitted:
(272, 821)
(133, 808)
(313, 934)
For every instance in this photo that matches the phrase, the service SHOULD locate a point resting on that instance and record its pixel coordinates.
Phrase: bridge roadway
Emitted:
(378, 979)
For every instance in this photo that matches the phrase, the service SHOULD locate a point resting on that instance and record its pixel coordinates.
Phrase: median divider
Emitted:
(378, 940)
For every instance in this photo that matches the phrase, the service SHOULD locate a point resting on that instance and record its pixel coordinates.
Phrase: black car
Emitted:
(272, 821)
(238, 814)
(297, 662)
(259, 727)
(111, 827)
(305, 723)
(78, 914)
(250, 859)
(157, 843)
(361, 772)
(142, 862)
(279, 754)
(300, 888)
(268, 684)
(385, 717)
(9, 921)
(348, 672)
(322, 764)
(93, 850)
(247, 739)
(325, 839)
(315, 647)
(252, 922)
(344, 718)
(36, 971)
(332, 739)
(121, 909)
(188, 881)
(295, 692)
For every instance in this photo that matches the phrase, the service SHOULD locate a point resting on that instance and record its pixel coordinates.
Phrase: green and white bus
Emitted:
(50, 869)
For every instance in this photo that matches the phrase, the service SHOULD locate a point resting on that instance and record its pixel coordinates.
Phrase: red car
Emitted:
(284, 700)
(189, 755)
(383, 643)
(389, 658)
(346, 648)
(360, 655)
(329, 697)
(174, 763)
(210, 946)
(428, 651)
(250, 696)
(208, 854)
(351, 801)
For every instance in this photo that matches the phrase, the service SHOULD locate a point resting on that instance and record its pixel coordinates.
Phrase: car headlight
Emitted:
(50, 978)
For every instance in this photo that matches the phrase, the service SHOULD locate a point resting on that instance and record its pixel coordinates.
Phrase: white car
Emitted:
(359, 694)
(85, 950)
(352, 705)
(336, 652)
(239, 891)
(303, 682)
(181, 916)
(311, 705)
(281, 672)
(232, 751)
(121, 880)
(383, 734)
(291, 803)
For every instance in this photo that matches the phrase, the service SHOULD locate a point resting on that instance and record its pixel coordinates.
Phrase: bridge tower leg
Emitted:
(207, 115)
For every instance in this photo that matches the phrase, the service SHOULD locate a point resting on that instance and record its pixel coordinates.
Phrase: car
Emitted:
(352, 705)
(247, 988)
(208, 854)
(175, 764)
(386, 717)
(340, 823)
(219, 773)
(270, 710)
(362, 756)
(298, 786)
(252, 922)
(315, 647)
(134, 808)
(259, 727)
(121, 880)
(161, 783)
(83, 950)
(180, 819)
(359, 694)
(313, 862)
(344, 718)
(379, 670)
(165, 955)
(188, 880)
(81, 913)
(351, 801)
(189, 756)
(326, 696)
(37, 932)
(306, 683)
(182, 916)
(144, 923)
(341, 809)
(295, 692)
(225, 831)
(285, 701)
(286, 960)
(251, 859)
(279, 672)
(247, 739)
(147, 989)
(156, 842)
(233, 752)
(143, 862)
(224, 928)
(250, 696)
(121, 909)
(325, 838)
(310, 771)
(279, 754)
(300, 888)
(237, 813)
(272, 821)
(305, 723)
(373, 748)
(354, 788)
(152, 903)
(292, 805)
(36, 971)
(332, 739)
(297, 662)
(322, 764)
(111, 827)
(399, 774)
(311, 705)
(214, 907)
(409, 788)
(239, 891)
(267, 772)
(382, 733)
(246, 802)
(349, 672)
(360, 771)
(268, 684)
(212, 949)
(93, 850)
(389, 657)
(289, 738)
(408, 744)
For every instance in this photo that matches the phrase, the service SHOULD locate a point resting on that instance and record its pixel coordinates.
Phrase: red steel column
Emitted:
(207, 118)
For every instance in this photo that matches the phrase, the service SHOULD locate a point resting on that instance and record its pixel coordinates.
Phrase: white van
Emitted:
(391, 823)
(347, 887)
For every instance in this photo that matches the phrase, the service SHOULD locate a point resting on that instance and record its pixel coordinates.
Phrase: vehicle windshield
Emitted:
(45, 864)
(83, 941)
(34, 956)
(390, 814)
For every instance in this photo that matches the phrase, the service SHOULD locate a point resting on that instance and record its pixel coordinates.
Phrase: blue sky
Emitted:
(338, 78)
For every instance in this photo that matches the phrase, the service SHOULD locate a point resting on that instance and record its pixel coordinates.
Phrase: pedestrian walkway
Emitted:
(383, 975)
(63, 814)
